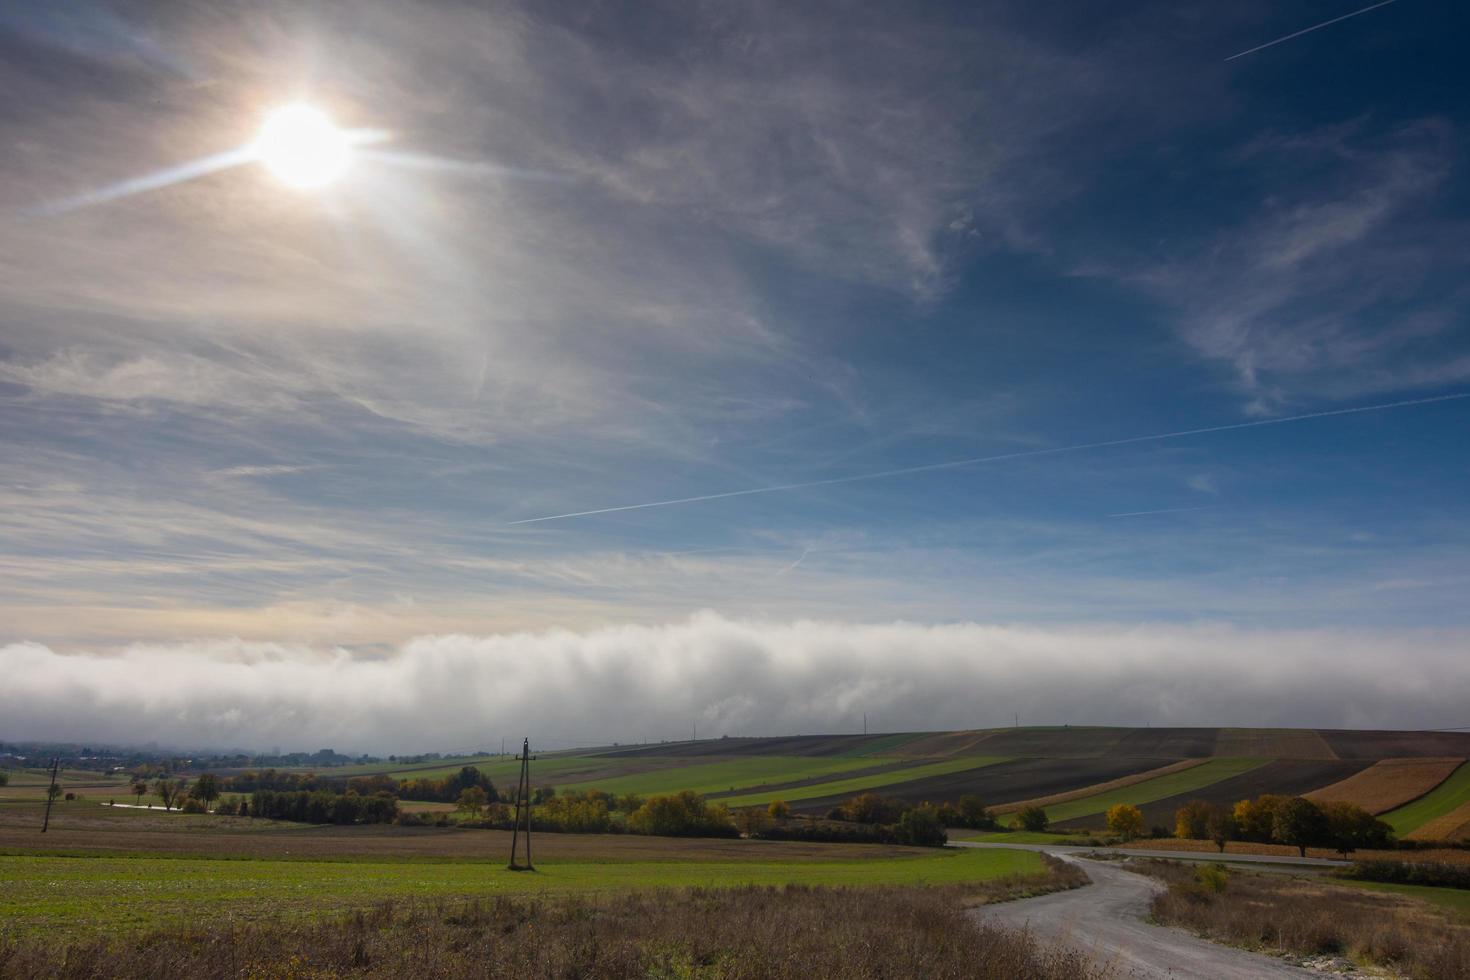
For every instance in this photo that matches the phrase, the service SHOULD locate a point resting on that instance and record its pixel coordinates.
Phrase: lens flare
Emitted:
(303, 147)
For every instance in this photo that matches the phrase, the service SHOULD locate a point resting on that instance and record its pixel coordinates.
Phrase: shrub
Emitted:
(193, 805)
(1434, 873)
(1212, 877)
(683, 814)
(1033, 818)
(921, 827)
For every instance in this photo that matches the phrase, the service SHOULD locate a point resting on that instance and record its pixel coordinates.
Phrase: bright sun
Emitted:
(303, 147)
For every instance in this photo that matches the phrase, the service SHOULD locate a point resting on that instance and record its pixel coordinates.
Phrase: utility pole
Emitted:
(523, 797)
(50, 794)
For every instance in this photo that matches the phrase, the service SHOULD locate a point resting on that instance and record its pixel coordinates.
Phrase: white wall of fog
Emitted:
(629, 683)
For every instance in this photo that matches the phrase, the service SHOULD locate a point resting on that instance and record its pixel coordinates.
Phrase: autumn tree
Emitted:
(1222, 827)
(140, 790)
(778, 810)
(1192, 820)
(752, 820)
(1125, 820)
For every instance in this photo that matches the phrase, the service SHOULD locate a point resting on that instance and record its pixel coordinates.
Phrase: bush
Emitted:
(1033, 818)
(683, 814)
(323, 807)
(921, 827)
(193, 805)
(1437, 874)
(1212, 877)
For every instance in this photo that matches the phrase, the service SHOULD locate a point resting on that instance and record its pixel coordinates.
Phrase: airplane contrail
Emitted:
(1002, 457)
(1164, 510)
(1308, 30)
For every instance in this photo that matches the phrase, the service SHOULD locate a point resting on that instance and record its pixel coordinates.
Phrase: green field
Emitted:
(861, 784)
(85, 894)
(1454, 899)
(729, 774)
(1159, 788)
(1453, 792)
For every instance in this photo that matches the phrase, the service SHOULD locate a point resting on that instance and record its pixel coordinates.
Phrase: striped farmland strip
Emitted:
(1389, 784)
(1100, 788)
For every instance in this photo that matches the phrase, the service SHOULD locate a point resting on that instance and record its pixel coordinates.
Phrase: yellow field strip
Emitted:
(1453, 826)
(1096, 788)
(1389, 784)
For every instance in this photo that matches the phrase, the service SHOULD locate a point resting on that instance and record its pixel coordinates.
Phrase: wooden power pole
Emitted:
(523, 799)
(50, 795)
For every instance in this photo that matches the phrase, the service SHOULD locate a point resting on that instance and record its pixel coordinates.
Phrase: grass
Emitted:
(1275, 913)
(46, 893)
(696, 934)
(1456, 900)
(1448, 795)
(1173, 784)
(1022, 837)
(862, 784)
(718, 777)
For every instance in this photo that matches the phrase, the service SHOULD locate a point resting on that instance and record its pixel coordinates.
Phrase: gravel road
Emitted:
(1106, 919)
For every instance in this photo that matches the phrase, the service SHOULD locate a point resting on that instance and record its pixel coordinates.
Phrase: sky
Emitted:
(275, 463)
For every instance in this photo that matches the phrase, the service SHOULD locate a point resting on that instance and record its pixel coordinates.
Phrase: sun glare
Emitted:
(303, 147)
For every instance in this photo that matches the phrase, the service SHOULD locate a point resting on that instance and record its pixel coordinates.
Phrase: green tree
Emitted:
(472, 800)
(1350, 827)
(1300, 823)
(921, 826)
(4, 778)
(1125, 820)
(1033, 818)
(206, 789)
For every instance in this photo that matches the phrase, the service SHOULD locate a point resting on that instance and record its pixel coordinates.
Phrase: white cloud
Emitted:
(730, 676)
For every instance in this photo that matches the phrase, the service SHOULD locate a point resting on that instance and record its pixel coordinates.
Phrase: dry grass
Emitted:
(1098, 788)
(1311, 918)
(742, 933)
(1453, 826)
(1446, 855)
(1389, 784)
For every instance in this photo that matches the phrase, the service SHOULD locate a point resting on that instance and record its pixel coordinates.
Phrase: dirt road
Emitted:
(1106, 919)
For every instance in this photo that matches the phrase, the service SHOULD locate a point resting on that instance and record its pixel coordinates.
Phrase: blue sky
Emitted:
(617, 256)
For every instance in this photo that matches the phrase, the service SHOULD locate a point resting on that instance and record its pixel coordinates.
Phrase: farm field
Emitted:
(1452, 826)
(731, 774)
(1288, 777)
(843, 788)
(1444, 799)
(1456, 900)
(1161, 787)
(64, 895)
(1098, 788)
(1388, 784)
(1076, 771)
(1002, 782)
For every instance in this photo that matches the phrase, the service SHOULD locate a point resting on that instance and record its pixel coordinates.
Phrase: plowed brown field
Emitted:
(1388, 784)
